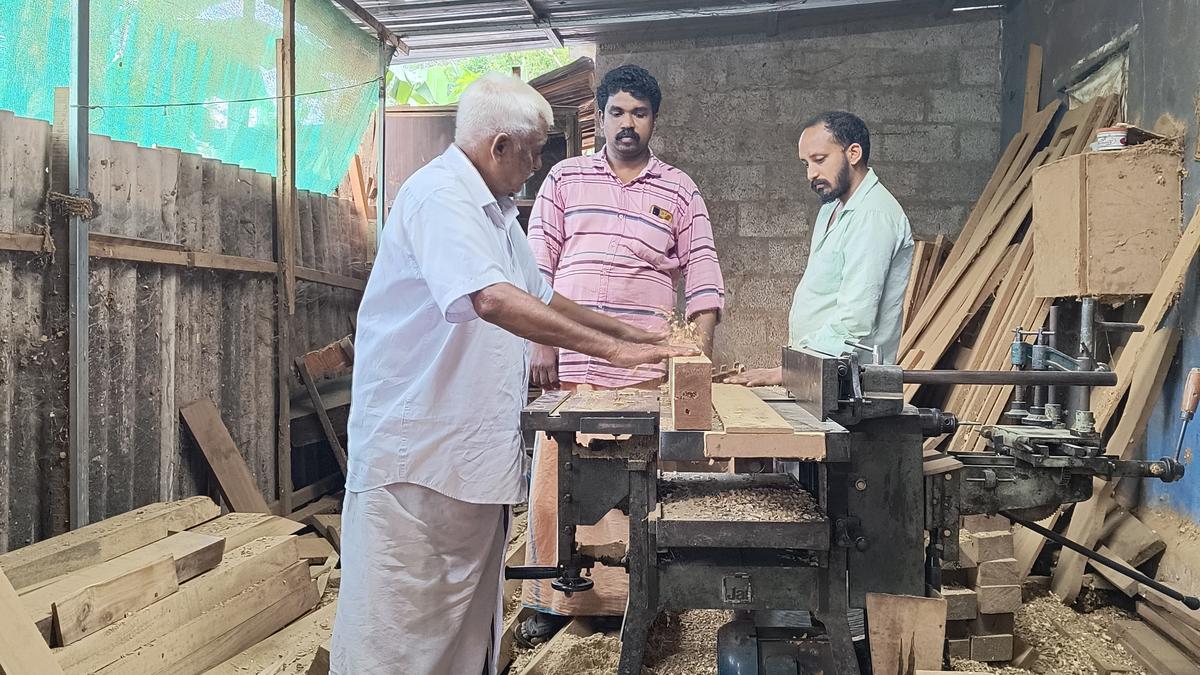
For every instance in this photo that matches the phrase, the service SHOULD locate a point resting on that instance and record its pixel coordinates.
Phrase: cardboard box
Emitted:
(1105, 222)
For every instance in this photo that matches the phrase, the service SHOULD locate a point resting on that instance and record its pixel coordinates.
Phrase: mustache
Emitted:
(627, 133)
(817, 184)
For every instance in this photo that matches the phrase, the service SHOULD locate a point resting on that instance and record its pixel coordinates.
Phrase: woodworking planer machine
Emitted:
(889, 512)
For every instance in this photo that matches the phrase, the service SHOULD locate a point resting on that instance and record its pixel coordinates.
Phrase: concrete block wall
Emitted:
(732, 106)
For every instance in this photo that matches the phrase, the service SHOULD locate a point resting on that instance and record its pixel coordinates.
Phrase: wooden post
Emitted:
(285, 248)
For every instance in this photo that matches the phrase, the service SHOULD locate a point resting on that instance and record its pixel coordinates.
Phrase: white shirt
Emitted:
(853, 287)
(438, 392)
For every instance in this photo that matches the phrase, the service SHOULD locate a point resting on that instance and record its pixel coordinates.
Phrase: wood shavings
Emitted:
(1064, 640)
(685, 643)
(596, 654)
(704, 500)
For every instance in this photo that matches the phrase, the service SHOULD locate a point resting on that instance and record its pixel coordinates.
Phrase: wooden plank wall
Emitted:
(161, 335)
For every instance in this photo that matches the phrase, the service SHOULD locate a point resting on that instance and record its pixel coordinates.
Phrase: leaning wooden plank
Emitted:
(326, 504)
(905, 632)
(233, 475)
(226, 629)
(1033, 84)
(239, 529)
(193, 553)
(93, 607)
(1153, 650)
(691, 391)
(240, 569)
(1172, 607)
(22, 649)
(742, 412)
(1087, 520)
(1130, 538)
(291, 650)
(1184, 637)
(103, 541)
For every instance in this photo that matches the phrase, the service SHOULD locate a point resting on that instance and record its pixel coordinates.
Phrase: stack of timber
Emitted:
(172, 587)
(573, 85)
(984, 290)
(928, 258)
(981, 604)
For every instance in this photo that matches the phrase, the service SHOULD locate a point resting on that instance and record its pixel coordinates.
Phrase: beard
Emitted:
(829, 193)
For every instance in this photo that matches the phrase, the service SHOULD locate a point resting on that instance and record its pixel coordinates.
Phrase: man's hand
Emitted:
(543, 371)
(644, 337)
(760, 377)
(629, 355)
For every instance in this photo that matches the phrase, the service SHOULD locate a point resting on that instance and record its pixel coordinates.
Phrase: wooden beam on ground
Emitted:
(1119, 581)
(193, 554)
(23, 651)
(93, 607)
(1033, 84)
(240, 569)
(291, 650)
(691, 392)
(233, 474)
(1153, 650)
(103, 540)
(1184, 637)
(905, 632)
(239, 529)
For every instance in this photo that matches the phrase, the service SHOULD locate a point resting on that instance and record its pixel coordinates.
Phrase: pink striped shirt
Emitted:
(621, 249)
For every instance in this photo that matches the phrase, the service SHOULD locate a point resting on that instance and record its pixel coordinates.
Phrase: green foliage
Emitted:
(442, 82)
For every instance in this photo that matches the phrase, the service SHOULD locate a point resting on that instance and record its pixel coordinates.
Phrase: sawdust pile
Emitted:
(1064, 640)
(703, 500)
(685, 643)
(596, 654)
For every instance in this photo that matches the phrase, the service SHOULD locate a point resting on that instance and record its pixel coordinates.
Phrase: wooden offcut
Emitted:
(1154, 651)
(1033, 84)
(98, 605)
(1001, 572)
(330, 527)
(991, 648)
(742, 412)
(905, 632)
(103, 540)
(1182, 635)
(961, 603)
(315, 549)
(691, 392)
(23, 651)
(988, 546)
(233, 475)
(998, 599)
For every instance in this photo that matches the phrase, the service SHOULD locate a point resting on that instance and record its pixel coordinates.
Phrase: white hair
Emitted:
(499, 104)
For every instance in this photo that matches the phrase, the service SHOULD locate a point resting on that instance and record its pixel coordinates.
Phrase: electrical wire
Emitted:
(187, 104)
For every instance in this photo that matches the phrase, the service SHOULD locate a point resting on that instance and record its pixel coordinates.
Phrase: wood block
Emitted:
(1131, 539)
(961, 603)
(983, 523)
(315, 549)
(22, 650)
(988, 546)
(958, 630)
(959, 649)
(993, 624)
(1119, 581)
(239, 570)
(906, 629)
(226, 629)
(954, 577)
(228, 465)
(1158, 655)
(93, 607)
(330, 527)
(991, 648)
(999, 599)
(193, 553)
(743, 412)
(239, 529)
(1002, 572)
(691, 392)
(1184, 637)
(103, 541)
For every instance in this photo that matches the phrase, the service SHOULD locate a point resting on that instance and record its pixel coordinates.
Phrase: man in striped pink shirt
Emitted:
(623, 233)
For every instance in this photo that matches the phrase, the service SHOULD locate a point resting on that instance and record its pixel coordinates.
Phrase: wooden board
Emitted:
(226, 629)
(905, 632)
(742, 412)
(961, 603)
(1184, 637)
(241, 569)
(1119, 581)
(691, 392)
(1177, 611)
(193, 553)
(1130, 538)
(239, 529)
(103, 540)
(233, 475)
(1153, 650)
(326, 504)
(315, 549)
(1033, 84)
(291, 650)
(98, 605)
(330, 527)
(22, 650)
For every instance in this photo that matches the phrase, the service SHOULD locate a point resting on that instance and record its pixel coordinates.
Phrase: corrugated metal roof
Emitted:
(437, 29)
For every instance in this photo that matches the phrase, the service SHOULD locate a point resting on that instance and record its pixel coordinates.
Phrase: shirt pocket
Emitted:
(649, 244)
(825, 271)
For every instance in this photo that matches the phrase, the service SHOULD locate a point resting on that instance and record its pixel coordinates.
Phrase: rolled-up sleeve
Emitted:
(865, 270)
(704, 286)
(457, 252)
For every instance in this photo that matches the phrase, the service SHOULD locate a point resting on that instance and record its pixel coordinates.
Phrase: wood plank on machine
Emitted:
(743, 412)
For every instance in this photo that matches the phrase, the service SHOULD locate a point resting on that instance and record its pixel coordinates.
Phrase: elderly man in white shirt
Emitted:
(440, 376)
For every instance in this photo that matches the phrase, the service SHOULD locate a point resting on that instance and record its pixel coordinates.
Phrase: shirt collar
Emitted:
(478, 191)
(869, 181)
(653, 169)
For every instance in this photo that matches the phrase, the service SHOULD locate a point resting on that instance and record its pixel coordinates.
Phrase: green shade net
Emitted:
(217, 53)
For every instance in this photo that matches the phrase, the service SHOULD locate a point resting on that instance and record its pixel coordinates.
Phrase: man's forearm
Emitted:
(706, 328)
(522, 314)
(594, 320)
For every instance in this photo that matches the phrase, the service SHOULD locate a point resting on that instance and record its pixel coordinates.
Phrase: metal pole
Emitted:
(385, 60)
(1027, 378)
(1081, 395)
(77, 270)
(1052, 391)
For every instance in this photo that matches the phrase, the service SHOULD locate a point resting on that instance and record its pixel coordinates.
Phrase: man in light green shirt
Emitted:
(853, 288)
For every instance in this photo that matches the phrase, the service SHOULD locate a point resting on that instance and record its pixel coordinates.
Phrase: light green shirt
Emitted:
(858, 267)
